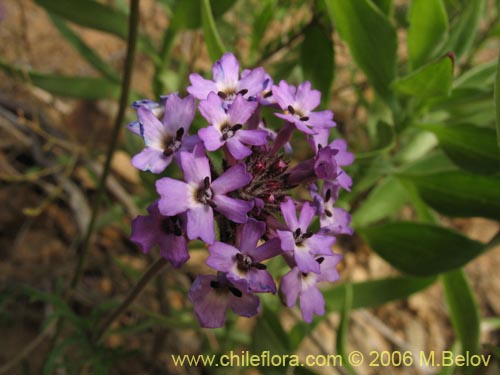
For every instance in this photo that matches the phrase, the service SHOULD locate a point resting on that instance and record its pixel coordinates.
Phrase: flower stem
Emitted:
(124, 97)
(139, 287)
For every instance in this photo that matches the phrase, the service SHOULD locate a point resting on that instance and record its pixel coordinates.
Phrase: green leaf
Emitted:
(385, 141)
(497, 101)
(213, 41)
(89, 13)
(463, 309)
(375, 292)
(187, 14)
(317, 60)
(473, 148)
(385, 6)
(431, 80)
(462, 34)
(68, 86)
(427, 31)
(421, 249)
(269, 334)
(477, 77)
(371, 39)
(460, 194)
(434, 162)
(384, 200)
(341, 340)
(84, 50)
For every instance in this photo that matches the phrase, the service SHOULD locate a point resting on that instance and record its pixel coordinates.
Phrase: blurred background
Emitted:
(420, 121)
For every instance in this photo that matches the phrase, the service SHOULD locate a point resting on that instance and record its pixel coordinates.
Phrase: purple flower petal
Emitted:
(234, 178)
(241, 110)
(250, 235)
(195, 165)
(201, 224)
(211, 138)
(307, 98)
(200, 87)
(305, 260)
(289, 214)
(329, 268)
(307, 213)
(210, 306)
(152, 160)
(238, 149)
(268, 250)
(174, 196)
(211, 109)
(252, 137)
(260, 281)
(222, 256)
(291, 285)
(343, 157)
(344, 180)
(179, 113)
(320, 244)
(287, 240)
(153, 130)
(247, 305)
(321, 119)
(311, 302)
(234, 209)
(226, 71)
(284, 94)
(142, 233)
(174, 249)
(252, 81)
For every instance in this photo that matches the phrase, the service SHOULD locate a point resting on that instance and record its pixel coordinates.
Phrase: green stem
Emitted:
(125, 89)
(139, 287)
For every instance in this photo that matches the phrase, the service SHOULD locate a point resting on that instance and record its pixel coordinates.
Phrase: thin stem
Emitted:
(139, 287)
(125, 88)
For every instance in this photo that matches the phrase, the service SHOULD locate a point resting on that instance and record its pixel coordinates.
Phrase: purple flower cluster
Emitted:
(248, 197)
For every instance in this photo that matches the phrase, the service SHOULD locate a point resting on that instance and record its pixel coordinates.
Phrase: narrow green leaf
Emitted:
(187, 14)
(269, 334)
(434, 162)
(479, 76)
(431, 80)
(473, 148)
(261, 21)
(385, 141)
(463, 309)
(341, 340)
(213, 41)
(375, 292)
(384, 200)
(317, 60)
(385, 6)
(89, 13)
(421, 249)
(462, 34)
(371, 39)
(459, 194)
(497, 101)
(68, 86)
(84, 50)
(427, 31)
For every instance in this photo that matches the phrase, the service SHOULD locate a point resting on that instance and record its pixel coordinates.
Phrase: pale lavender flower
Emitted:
(226, 82)
(199, 195)
(303, 244)
(212, 295)
(298, 284)
(158, 109)
(168, 232)
(298, 105)
(163, 139)
(242, 264)
(333, 220)
(227, 127)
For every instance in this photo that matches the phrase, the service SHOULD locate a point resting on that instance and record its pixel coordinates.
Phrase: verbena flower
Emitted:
(227, 126)
(199, 196)
(248, 195)
(302, 285)
(226, 82)
(163, 139)
(298, 105)
(212, 295)
(304, 245)
(242, 264)
(168, 232)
